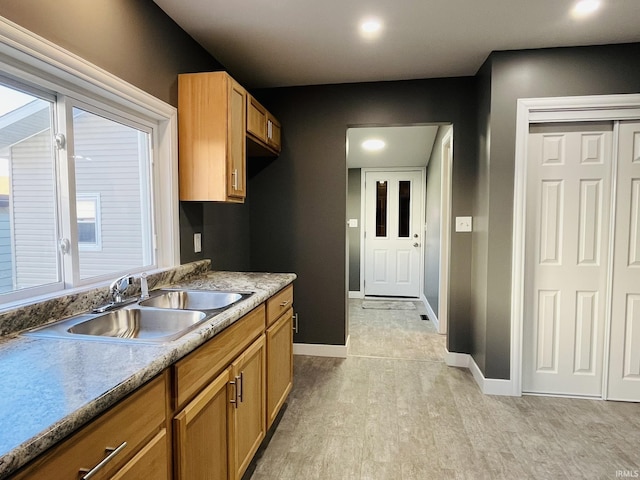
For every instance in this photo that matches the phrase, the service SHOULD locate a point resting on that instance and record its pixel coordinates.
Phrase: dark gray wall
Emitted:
(298, 203)
(136, 41)
(433, 217)
(132, 39)
(354, 187)
(481, 220)
(536, 73)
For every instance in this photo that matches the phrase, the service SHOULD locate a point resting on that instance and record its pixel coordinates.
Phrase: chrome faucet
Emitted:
(118, 287)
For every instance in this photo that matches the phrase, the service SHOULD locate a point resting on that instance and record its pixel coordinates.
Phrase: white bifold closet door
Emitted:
(567, 242)
(581, 333)
(624, 357)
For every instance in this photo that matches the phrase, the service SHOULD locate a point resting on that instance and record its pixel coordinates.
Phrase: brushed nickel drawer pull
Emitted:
(241, 389)
(112, 453)
(285, 303)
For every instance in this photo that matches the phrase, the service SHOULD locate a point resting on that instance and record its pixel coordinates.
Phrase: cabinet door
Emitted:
(279, 364)
(202, 434)
(256, 119)
(150, 463)
(248, 413)
(273, 133)
(236, 141)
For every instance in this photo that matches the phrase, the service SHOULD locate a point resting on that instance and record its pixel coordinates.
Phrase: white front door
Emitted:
(566, 252)
(624, 363)
(393, 235)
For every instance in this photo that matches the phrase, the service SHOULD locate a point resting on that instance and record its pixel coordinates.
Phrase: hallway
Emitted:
(393, 410)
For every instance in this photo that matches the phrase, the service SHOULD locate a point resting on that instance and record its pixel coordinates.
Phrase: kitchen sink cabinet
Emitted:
(212, 133)
(220, 390)
(127, 442)
(201, 433)
(263, 129)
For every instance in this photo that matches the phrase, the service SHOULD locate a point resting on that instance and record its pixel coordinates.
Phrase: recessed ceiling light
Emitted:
(370, 28)
(585, 8)
(373, 144)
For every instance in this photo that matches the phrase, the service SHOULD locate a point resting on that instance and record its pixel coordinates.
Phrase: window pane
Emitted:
(28, 222)
(381, 209)
(112, 164)
(404, 202)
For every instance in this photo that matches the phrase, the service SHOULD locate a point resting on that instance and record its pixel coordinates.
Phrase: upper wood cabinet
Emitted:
(263, 130)
(212, 137)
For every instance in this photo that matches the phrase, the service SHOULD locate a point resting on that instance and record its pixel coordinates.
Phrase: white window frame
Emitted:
(97, 245)
(32, 60)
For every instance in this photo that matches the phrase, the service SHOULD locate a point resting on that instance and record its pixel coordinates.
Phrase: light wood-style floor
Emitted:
(393, 410)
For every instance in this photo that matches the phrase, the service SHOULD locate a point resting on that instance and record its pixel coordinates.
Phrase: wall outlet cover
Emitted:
(197, 242)
(353, 223)
(464, 224)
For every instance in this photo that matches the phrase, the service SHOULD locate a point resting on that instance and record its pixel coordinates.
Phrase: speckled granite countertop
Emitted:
(51, 387)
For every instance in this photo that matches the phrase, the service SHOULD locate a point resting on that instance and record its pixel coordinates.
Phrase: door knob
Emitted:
(416, 244)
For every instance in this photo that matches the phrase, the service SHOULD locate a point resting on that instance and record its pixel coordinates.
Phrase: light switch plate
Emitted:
(463, 224)
(197, 242)
(353, 223)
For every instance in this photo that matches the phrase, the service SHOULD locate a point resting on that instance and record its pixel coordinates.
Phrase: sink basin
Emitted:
(192, 299)
(138, 323)
(144, 325)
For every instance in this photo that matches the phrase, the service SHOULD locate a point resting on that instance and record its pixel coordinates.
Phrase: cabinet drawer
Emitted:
(149, 463)
(134, 420)
(279, 303)
(197, 369)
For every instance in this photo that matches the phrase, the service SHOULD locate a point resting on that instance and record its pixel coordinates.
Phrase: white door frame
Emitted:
(363, 176)
(446, 175)
(544, 110)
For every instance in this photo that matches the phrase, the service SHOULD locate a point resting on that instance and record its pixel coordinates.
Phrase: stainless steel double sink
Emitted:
(166, 315)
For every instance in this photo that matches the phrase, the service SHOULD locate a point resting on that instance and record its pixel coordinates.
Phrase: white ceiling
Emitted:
(269, 43)
(405, 146)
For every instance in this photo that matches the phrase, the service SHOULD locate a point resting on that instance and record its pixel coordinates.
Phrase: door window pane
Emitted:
(381, 209)
(28, 217)
(404, 208)
(111, 163)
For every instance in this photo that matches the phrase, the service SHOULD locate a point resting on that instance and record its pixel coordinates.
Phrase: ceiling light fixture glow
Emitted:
(373, 145)
(585, 8)
(370, 28)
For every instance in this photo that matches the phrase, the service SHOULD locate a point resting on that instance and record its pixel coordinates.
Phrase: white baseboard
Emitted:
(430, 313)
(488, 386)
(454, 359)
(357, 294)
(319, 350)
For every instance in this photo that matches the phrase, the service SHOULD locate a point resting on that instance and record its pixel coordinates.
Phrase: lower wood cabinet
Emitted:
(201, 433)
(279, 364)
(248, 412)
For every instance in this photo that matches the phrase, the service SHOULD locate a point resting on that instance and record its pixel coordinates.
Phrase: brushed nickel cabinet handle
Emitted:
(295, 323)
(285, 303)
(235, 384)
(241, 389)
(112, 453)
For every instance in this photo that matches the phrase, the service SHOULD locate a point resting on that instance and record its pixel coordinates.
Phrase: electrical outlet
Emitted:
(197, 242)
(463, 224)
